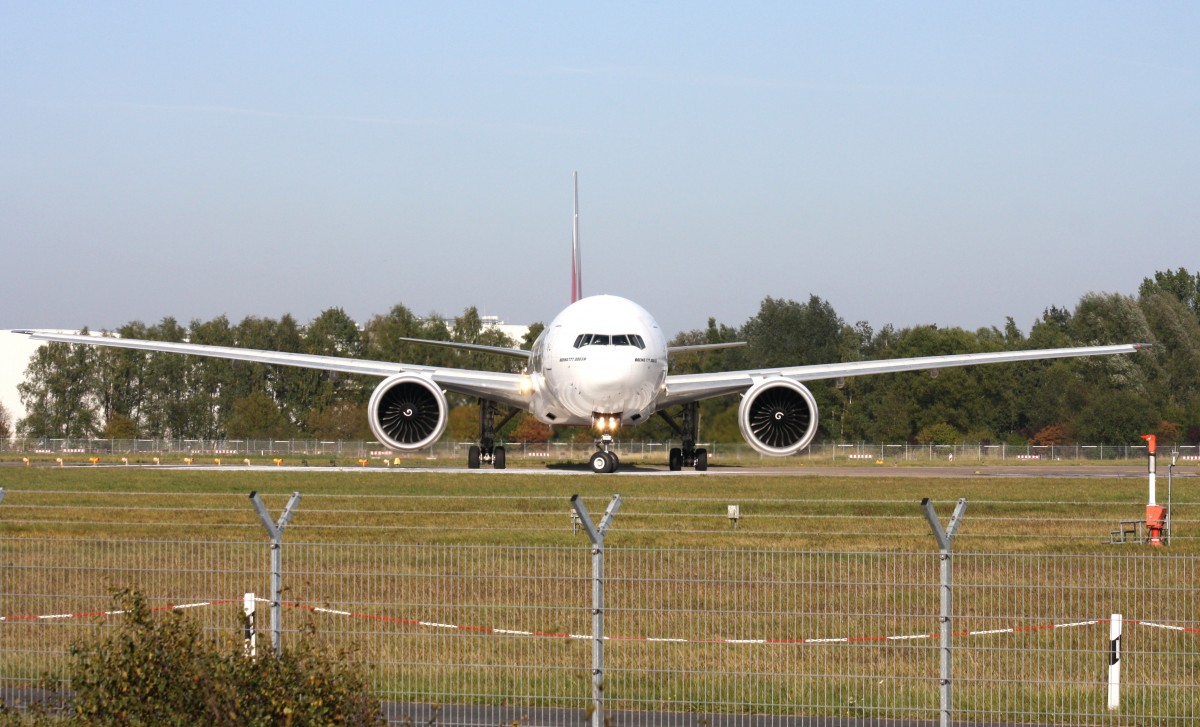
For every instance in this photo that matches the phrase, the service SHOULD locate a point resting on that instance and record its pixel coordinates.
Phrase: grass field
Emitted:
(872, 512)
(811, 557)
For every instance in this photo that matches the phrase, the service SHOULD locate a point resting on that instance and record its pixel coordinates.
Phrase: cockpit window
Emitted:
(603, 339)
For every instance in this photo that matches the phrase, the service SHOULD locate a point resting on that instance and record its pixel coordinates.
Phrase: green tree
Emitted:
(287, 383)
(58, 392)
(212, 384)
(120, 385)
(722, 425)
(332, 333)
(1177, 348)
(283, 384)
(462, 423)
(469, 328)
(166, 385)
(257, 416)
(6, 423)
(940, 433)
(706, 361)
(119, 426)
(343, 420)
(531, 335)
(787, 333)
(1111, 397)
(384, 333)
(1179, 284)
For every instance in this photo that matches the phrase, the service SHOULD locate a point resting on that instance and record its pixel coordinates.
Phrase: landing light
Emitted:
(605, 422)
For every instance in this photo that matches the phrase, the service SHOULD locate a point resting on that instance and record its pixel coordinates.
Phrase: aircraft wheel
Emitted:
(675, 459)
(498, 458)
(701, 460)
(600, 463)
(473, 458)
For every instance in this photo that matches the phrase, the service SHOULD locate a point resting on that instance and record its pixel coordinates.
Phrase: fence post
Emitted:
(1114, 662)
(945, 539)
(250, 633)
(596, 534)
(275, 530)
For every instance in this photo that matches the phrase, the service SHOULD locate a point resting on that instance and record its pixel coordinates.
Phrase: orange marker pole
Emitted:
(1155, 515)
(1151, 447)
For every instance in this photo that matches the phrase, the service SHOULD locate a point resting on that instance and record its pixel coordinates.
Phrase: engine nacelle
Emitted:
(407, 412)
(778, 417)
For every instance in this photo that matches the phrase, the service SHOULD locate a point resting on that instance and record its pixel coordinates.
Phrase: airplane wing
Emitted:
(509, 388)
(704, 347)
(683, 388)
(498, 350)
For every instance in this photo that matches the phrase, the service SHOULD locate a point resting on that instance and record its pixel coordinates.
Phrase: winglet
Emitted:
(576, 263)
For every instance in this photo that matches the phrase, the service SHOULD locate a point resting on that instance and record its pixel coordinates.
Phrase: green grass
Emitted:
(1031, 514)
(812, 557)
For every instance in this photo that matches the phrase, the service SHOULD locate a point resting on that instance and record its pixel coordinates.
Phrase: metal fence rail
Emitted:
(321, 452)
(728, 633)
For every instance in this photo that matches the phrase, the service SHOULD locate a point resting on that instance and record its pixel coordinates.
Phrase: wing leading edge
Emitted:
(515, 389)
(509, 388)
(683, 388)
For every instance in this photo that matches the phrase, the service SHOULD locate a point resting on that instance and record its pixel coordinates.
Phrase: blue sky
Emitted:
(948, 163)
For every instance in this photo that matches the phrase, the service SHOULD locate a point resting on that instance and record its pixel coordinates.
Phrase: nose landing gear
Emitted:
(604, 461)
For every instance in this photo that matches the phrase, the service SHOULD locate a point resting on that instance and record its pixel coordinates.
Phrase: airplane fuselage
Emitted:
(603, 356)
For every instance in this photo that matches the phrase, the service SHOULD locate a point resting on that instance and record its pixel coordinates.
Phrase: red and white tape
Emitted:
(97, 614)
(655, 639)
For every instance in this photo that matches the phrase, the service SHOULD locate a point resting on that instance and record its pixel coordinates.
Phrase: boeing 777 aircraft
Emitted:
(602, 362)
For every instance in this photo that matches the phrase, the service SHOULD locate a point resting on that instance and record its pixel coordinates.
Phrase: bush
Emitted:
(1055, 434)
(159, 669)
(941, 433)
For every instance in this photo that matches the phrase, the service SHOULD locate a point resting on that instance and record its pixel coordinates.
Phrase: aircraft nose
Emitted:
(608, 375)
(606, 382)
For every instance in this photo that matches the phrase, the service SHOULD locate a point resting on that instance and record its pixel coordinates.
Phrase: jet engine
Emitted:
(778, 417)
(407, 412)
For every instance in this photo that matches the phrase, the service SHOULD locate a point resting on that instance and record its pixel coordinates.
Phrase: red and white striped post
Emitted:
(251, 630)
(1114, 661)
(1155, 515)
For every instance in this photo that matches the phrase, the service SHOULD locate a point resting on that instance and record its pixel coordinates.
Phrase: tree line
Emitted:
(83, 391)
(79, 392)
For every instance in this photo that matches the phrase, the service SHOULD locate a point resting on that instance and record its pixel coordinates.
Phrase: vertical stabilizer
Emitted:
(576, 264)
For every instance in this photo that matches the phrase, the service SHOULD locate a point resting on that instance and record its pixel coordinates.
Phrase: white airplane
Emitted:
(602, 362)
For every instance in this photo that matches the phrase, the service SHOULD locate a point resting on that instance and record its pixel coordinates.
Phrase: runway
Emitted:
(1051, 470)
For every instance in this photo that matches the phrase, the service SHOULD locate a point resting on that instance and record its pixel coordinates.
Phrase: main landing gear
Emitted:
(604, 460)
(487, 452)
(688, 430)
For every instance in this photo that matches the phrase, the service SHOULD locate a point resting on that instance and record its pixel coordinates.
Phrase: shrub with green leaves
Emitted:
(158, 668)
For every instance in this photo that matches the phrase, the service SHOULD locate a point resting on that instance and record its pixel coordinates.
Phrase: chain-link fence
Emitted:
(737, 627)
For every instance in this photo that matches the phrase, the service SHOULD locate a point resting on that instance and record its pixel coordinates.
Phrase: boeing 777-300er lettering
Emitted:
(602, 363)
